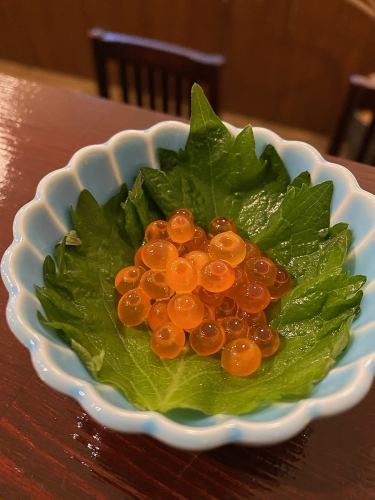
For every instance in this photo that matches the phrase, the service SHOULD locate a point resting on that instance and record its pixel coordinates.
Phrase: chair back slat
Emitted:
(164, 89)
(151, 86)
(154, 57)
(138, 84)
(360, 96)
(178, 94)
(124, 81)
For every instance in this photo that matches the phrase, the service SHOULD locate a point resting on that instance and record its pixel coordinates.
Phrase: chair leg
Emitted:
(344, 119)
(369, 136)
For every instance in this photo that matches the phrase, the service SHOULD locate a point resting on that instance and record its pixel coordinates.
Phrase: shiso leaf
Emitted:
(218, 174)
(215, 174)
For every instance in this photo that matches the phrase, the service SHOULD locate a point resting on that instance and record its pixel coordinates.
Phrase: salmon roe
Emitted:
(128, 278)
(282, 283)
(181, 275)
(196, 242)
(214, 288)
(207, 338)
(168, 341)
(220, 225)
(227, 246)
(156, 230)
(198, 259)
(261, 269)
(180, 228)
(234, 328)
(241, 357)
(216, 276)
(133, 307)
(155, 285)
(157, 254)
(158, 315)
(185, 310)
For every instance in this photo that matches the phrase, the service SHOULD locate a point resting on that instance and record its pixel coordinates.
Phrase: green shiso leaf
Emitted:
(216, 174)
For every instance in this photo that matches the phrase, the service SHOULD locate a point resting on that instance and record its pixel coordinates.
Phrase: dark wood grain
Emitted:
(49, 447)
(288, 63)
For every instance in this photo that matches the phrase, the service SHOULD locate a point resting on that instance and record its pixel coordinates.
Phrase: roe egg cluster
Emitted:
(206, 290)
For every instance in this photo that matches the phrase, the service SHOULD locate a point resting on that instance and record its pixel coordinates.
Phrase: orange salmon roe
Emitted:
(157, 254)
(197, 241)
(217, 276)
(252, 318)
(252, 250)
(138, 260)
(133, 307)
(234, 328)
(186, 311)
(182, 211)
(241, 357)
(261, 269)
(198, 259)
(282, 284)
(181, 276)
(168, 341)
(154, 284)
(212, 287)
(220, 225)
(209, 298)
(227, 246)
(128, 278)
(228, 307)
(158, 315)
(240, 278)
(156, 230)
(266, 338)
(253, 297)
(180, 228)
(207, 338)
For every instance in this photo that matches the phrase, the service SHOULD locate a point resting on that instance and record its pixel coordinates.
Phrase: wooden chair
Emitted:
(149, 62)
(360, 96)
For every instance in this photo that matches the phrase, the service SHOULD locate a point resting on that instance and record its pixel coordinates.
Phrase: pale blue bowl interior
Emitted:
(95, 171)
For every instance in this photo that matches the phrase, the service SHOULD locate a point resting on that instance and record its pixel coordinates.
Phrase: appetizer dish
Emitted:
(214, 283)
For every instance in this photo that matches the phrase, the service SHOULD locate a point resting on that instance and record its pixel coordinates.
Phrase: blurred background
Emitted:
(288, 62)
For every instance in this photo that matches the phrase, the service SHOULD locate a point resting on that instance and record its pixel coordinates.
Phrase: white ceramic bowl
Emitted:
(101, 169)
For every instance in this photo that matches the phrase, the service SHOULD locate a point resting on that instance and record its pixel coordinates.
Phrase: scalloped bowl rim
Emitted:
(233, 429)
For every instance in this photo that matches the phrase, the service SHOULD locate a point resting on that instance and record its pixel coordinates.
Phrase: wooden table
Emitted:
(49, 447)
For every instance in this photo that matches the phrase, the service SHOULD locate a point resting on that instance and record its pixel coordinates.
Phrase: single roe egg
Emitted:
(180, 228)
(154, 283)
(158, 253)
(234, 328)
(253, 297)
(128, 278)
(207, 338)
(282, 284)
(186, 311)
(133, 307)
(181, 276)
(241, 357)
(220, 225)
(168, 341)
(198, 259)
(156, 230)
(261, 269)
(227, 246)
(158, 315)
(217, 276)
